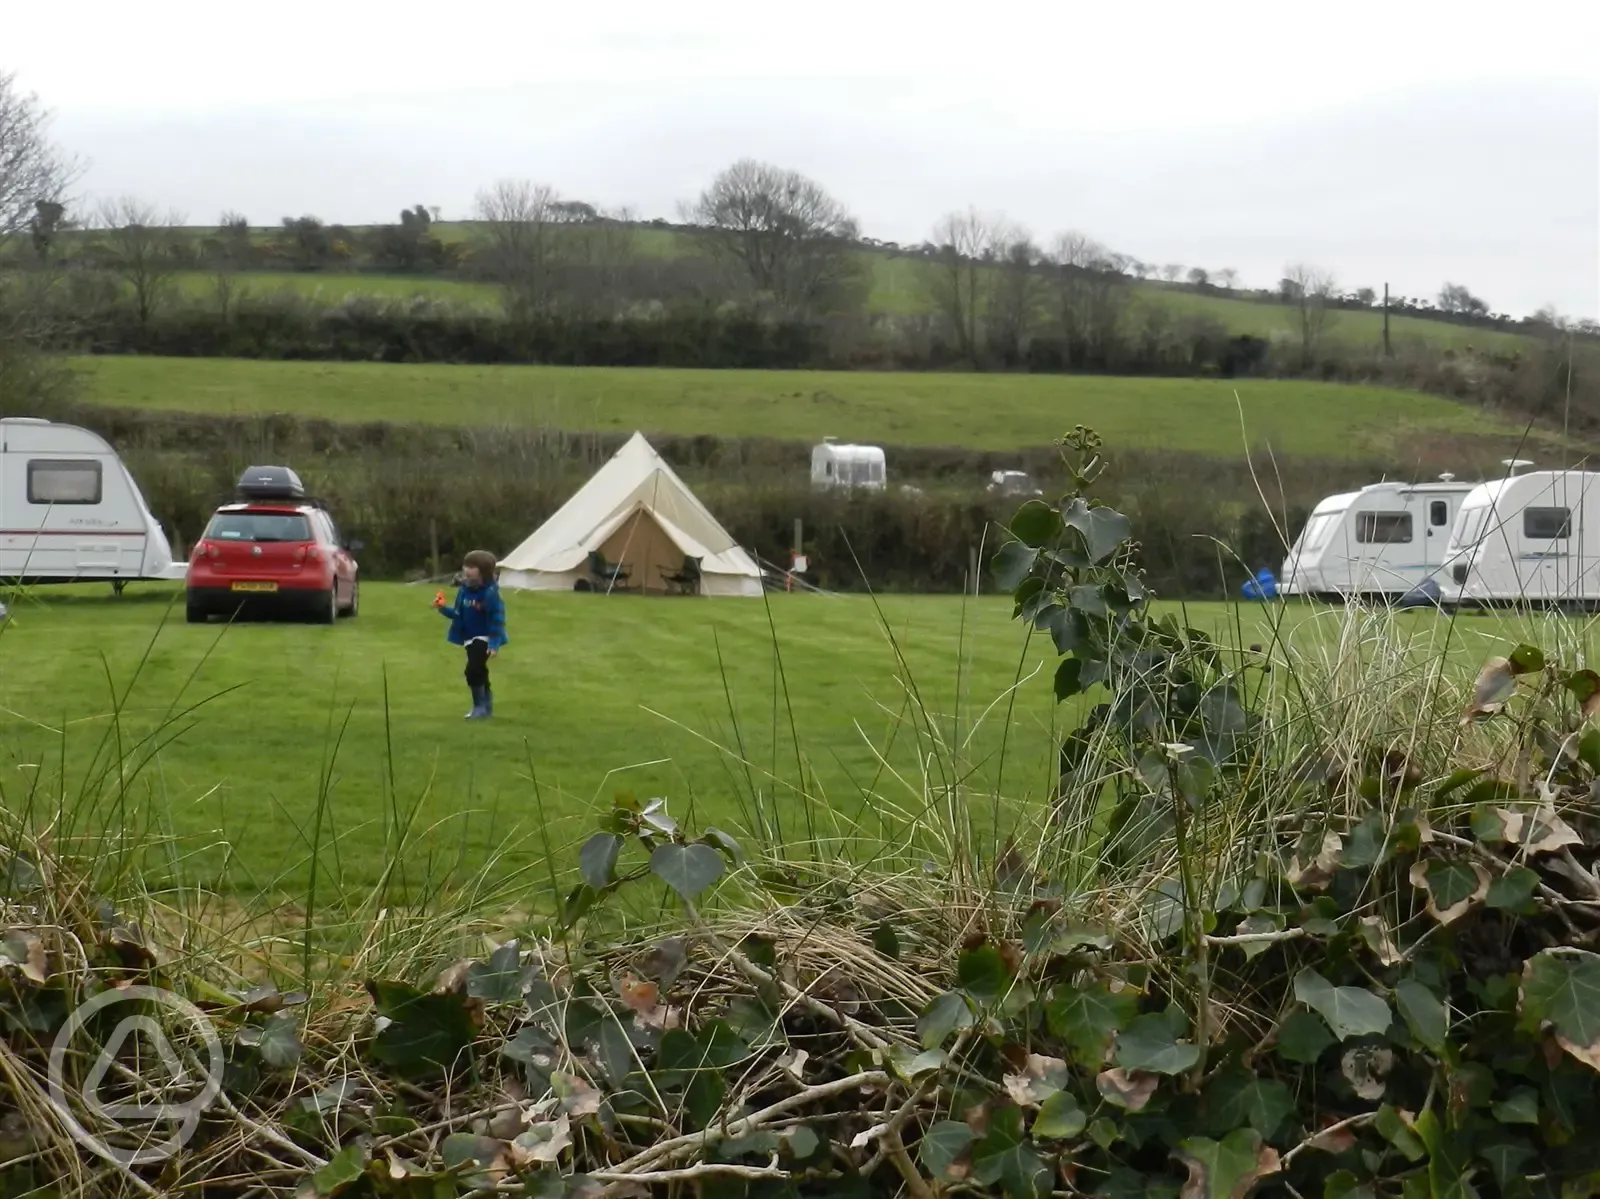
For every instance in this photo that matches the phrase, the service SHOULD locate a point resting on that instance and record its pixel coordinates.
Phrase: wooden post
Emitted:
(1387, 351)
(433, 548)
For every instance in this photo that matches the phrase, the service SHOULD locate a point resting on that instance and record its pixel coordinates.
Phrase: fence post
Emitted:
(972, 569)
(433, 548)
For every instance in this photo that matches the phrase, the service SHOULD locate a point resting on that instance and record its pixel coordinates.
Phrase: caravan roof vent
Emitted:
(1513, 465)
(270, 483)
(1447, 477)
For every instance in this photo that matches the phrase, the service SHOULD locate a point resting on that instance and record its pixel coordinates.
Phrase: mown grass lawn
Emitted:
(260, 741)
(987, 411)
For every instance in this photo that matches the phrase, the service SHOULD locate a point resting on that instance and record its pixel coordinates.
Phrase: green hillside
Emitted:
(978, 410)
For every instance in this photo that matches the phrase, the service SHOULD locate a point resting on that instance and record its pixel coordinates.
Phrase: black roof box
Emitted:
(270, 483)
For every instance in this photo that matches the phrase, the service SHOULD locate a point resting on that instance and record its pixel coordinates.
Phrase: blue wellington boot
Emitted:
(478, 712)
(488, 702)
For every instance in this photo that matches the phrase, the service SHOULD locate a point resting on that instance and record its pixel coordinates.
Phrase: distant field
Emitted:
(335, 287)
(899, 288)
(983, 411)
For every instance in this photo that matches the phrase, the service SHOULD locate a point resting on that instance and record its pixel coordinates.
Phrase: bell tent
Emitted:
(633, 526)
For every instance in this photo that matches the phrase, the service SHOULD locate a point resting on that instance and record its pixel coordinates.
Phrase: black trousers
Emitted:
(477, 671)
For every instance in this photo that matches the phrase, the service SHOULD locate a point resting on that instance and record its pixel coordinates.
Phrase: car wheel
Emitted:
(354, 606)
(194, 613)
(326, 607)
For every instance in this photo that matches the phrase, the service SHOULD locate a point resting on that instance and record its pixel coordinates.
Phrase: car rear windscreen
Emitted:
(258, 526)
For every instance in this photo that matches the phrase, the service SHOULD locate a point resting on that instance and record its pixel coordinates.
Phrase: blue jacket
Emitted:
(477, 612)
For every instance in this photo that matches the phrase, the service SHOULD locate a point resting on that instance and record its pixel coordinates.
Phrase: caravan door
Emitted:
(1549, 536)
(1439, 517)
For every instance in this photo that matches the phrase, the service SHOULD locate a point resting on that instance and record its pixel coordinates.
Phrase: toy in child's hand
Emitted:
(438, 599)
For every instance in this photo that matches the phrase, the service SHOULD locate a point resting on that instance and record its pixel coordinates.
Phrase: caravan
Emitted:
(835, 465)
(1379, 542)
(1532, 538)
(71, 512)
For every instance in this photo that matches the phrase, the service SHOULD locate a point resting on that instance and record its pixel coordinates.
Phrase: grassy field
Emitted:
(815, 715)
(984, 411)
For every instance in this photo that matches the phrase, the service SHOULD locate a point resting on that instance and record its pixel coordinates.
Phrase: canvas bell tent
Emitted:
(634, 526)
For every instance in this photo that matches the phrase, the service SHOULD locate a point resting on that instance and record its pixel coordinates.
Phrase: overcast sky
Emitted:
(1409, 141)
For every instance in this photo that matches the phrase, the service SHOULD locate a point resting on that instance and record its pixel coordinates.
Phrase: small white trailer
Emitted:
(1528, 539)
(71, 512)
(835, 465)
(1376, 543)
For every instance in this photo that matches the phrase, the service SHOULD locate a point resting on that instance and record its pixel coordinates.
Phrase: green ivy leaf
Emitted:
(1349, 1011)
(1059, 1118)
(943, 1016)
(427, 1033)
(1238, 1099)
(578, 902)
(470, 1156)
(343, 1170)
(1103, 529)
(1303, 1038)
(1563, 989)
(1069, 679)
(1036, 524)
(1365, 847)
(1087, 1020)
(1004, 1156)
(1388, 1125)
(503, 979)
(597, 860)
(280, 1045)
(687, 869)
(1424, 1013)
(1526, 659)
(1510, 1165)
(982, 973)
(1228, 1168)
(1012, 564)
(943, 1145)
(1512, 890)
(1520, 1107)
(1342, 1184)
(1150, 1044)
(720, 840)
(885, 940)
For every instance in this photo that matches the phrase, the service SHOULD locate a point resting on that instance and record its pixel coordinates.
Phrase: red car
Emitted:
(274, 550)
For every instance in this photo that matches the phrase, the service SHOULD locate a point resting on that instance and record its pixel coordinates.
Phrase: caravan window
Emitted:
(1383, 528)
(1438, 513)
(59, 481)
(1547, 524)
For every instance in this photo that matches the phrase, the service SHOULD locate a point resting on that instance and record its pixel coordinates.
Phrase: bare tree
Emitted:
(523, 228)
(1017, 296)
(1454, 297)
(601, 247)
(1171, 271)
(962, 280)
(144, 248)
(1227, 276)
(790, 238)
(32, 168)
(1309, 292)
(1090, 295)
(1366, 296)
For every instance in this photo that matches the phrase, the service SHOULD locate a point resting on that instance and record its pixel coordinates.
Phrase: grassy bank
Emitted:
(985, 411)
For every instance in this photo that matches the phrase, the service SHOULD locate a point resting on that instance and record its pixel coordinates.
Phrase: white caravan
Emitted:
(834, 465)
(1378, 542)
(71, 512)
(1532, 538)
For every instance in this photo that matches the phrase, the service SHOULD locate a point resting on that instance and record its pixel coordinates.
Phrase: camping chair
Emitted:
(686, 579)
(610, 576)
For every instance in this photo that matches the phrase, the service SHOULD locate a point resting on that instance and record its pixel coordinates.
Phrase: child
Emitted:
(478, 622)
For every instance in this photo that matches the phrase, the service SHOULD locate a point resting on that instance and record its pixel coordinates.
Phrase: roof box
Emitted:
(270, 483)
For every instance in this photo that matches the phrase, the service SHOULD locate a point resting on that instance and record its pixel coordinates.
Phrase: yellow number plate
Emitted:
(255, 586)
